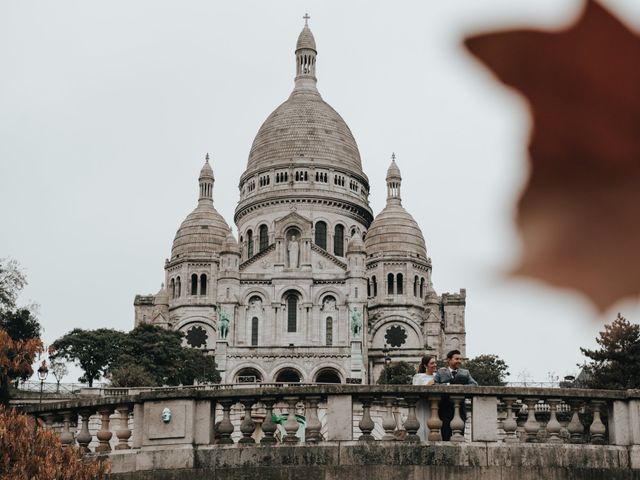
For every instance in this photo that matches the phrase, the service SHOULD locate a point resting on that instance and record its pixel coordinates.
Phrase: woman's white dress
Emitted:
(423, 410)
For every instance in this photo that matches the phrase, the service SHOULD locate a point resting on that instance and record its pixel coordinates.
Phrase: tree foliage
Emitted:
(131, 375)
(488, 370)
(31, 453)
(16, 360)
(399, 373)
(616, 364)
(12, 281)
(91, 350)
(58, 367)
(20, 324)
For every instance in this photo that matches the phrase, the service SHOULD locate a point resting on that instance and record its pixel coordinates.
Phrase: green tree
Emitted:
(399, 373)
(488, 370)
(198, 367)
(20, 324)
(131, 375)
(616, 364)
(92, 350)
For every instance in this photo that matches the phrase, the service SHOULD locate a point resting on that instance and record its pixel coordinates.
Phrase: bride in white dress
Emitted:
(425, 376)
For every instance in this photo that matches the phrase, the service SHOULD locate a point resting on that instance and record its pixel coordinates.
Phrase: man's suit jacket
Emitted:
(463, 377)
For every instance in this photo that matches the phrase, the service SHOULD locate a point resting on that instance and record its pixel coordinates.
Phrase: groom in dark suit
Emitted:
(452, 374)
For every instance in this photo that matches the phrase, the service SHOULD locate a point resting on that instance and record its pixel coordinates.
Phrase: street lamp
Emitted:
(387, 362)
(43, 371)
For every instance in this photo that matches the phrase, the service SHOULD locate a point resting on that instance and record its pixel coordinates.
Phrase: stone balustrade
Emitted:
(178, 420)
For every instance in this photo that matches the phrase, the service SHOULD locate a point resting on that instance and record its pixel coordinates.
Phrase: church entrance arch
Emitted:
(288, 375)
(328, 375)
(248, 375)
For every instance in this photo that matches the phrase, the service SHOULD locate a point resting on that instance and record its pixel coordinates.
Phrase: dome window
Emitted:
(399, 284)
(292, 313)
(390, 284)
(329, 331)
(178, 287)
(321, 235)
(422, 287)
(194, 284)
(374, 286)
(249, 243)
(338, 241)
(264, 237)
(173, 288)
(254, 331)
(415, 286)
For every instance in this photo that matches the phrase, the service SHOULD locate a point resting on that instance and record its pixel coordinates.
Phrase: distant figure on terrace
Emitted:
(425, 376)
(452, 374)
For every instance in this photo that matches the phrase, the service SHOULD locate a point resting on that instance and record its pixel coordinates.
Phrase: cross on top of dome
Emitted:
(306, 19)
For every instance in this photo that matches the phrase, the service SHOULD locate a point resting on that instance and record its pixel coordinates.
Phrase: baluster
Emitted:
(268, 426)
(123, 433)
(84, 436)
(66, 437)
(366, 423)
(225, 429)
(48, 421)
(510, 425)
(312, 433)
(291, 425)
(457, 424)
(597, 428)
(531, 426)
(434, 423)
(575, 427)
(388, 421)
(104, 434)
(553, 425)
(411, 424)
(248, 426)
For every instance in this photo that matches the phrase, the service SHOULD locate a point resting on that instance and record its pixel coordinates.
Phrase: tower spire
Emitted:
(306, 59)
(394, 180)
(205, 181)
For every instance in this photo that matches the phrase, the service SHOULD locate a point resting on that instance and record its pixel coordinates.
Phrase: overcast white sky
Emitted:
(107, 110)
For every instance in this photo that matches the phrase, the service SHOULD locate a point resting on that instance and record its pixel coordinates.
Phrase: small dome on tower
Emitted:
(355, 244)
(394, 231)
(206, 171)
(162, 297)
(305, 39)
(230, 245)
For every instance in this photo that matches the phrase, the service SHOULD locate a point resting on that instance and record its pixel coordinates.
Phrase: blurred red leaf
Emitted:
(579, 215)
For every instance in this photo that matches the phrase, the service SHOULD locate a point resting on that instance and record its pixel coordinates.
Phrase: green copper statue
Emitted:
(223, 324)
(356, 322)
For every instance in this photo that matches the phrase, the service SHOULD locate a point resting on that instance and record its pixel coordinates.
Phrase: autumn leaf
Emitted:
(579, 214)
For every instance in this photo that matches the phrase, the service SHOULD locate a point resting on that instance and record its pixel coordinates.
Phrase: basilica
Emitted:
(315, 288)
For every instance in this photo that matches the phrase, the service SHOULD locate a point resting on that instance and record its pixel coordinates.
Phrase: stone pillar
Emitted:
(357, 366)
(339, 417)
(620, 426)
(123, 433)
(104, 434)
(221, 359)
(484, 421)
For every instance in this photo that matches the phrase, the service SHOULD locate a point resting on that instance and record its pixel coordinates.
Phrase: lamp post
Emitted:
(387, 363)
(43, 371)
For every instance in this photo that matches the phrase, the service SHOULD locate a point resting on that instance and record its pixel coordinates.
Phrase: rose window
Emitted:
(396, 336)
(197, 337)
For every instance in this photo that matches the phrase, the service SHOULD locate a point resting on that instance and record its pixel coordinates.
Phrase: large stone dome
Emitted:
(302, 128)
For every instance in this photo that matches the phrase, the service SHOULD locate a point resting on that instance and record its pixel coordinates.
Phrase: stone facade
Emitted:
(315, 287)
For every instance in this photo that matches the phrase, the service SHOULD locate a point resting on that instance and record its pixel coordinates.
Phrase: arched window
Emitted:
(203, 284)
(329, 331)
(194, 284)
(374, 285)
(415, 286)
(254, 331)
(338, 241)
(292, 313)
(288, 375)
(264, 237)
(173, 288)
(422, 287)
(368, 288)
(178, 287)
(399, 284)
(390, 284)
(249, 244)
(328, 375)
(248, 375)
(321, 235)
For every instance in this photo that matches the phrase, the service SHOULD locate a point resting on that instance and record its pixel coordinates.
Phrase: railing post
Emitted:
(312, 433)
(597, 428)
(510, 425)
(66, 437)
(291, 425)
(484, 419)
(411, 424)
(575, 427)
(248, 426)
(366, 423)
(434, 423)
(225, 428)
(388, 422)
(457, 424)
(84, 436)
(553, 425)
(268, 426)
(531, 426)
(104, 434)
(123, 433)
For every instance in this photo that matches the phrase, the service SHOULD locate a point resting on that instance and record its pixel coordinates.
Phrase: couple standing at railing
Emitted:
(451, 374)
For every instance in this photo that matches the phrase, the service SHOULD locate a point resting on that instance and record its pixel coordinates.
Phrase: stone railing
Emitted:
(182, 421)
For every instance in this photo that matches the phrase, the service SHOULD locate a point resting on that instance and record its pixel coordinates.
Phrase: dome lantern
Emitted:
(394, 180)
(306, 58)
(206, 180)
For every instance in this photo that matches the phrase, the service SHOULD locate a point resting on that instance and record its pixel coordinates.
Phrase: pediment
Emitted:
(293, 219)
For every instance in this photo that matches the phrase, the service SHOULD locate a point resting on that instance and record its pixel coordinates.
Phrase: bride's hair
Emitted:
(422, 368)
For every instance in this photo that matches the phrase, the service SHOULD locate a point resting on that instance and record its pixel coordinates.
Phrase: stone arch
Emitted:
(253, 291)
(286, 374)
(196, 330)
(328, 290)
(281, 294)
(377, 335)
(328, 365)
(242, 366)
